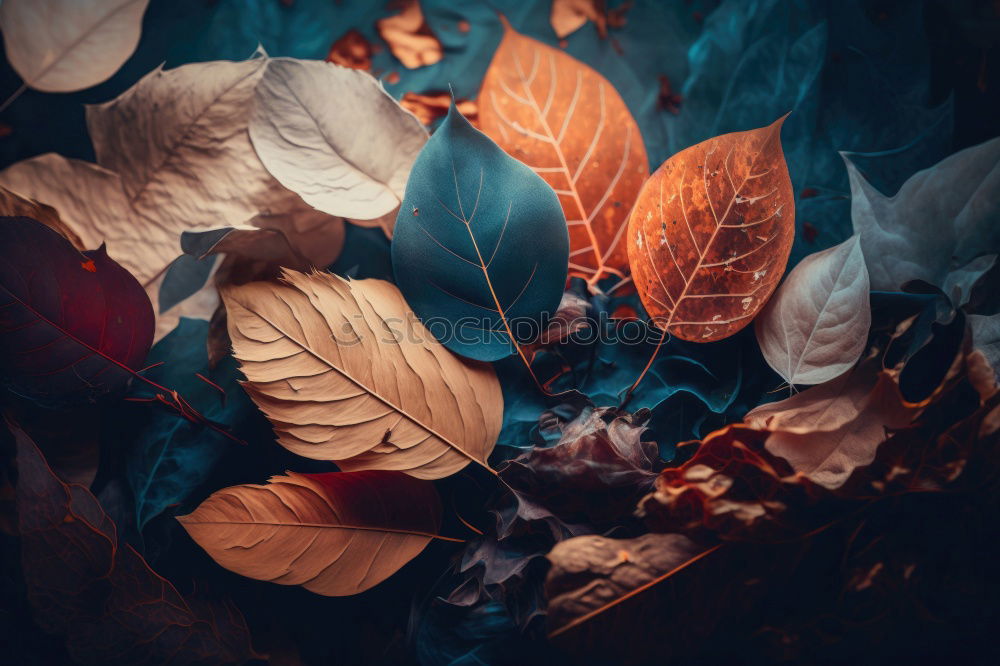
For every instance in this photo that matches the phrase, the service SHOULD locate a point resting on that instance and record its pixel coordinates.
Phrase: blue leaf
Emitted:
(172, 455)
(480, 248)
(185, 276)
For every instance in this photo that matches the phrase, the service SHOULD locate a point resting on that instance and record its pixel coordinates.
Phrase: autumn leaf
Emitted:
(98, 593)
(569, 124)
(333, 135)
(816, 325)
(409, 37)
(12, 205)
(433, 105)
(594, 574)
(351, 50)
(335, 534)
(345, 372)
(711, 232)
(64, 45)
(73, 325)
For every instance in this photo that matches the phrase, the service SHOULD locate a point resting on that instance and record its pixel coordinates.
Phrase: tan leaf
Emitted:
(409, 37)
(346, 372)
(828, 431)
(433, 105)
(67, 45)
(567, 122)
(11, 205)
(335, 534)
(592, 574)
(710, 234)
(568, 16)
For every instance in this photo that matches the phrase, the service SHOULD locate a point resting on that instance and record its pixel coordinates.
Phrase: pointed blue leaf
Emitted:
(480, 243)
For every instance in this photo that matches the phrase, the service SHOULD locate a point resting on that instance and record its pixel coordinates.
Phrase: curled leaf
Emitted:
(12, 205)
(816, 325)
(65, 45)
(710, 234)
(345, 372)
(334, 136)
(480, 242)
(568, 124)
(335, 534)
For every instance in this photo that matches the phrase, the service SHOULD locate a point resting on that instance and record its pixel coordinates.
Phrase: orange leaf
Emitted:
(409, 37)
(567, 122)
(710, 234)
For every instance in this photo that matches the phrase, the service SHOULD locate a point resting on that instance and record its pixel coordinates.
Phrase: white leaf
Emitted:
(941, 218)
(67, 45)
(335, 137)
(816, 325)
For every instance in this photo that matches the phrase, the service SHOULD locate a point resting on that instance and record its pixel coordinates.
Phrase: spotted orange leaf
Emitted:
(710, 234)
(567, 122)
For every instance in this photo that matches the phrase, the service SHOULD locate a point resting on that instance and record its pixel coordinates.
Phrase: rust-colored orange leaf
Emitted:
(710, 234)
(409, 37)
(567, 122)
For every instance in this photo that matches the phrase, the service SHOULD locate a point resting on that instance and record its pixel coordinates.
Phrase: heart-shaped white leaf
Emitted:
(334, 136)
(67, 45)
(816, 325)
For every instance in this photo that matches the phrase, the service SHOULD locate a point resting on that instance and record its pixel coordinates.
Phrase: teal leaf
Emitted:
(172, 456)
(480, 248)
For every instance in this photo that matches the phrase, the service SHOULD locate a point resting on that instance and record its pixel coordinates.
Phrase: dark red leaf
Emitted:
(72, 324)
(100, 594)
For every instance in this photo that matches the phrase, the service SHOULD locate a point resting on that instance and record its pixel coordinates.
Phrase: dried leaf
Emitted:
(12, 205)
(828, 431)
(480, 243)
(568, 123)
(65, 45)
(592, 574)
(409, 37)
(431, 106)
(73, 325)
(711, 232)
(815, 327)
(335, 534)
(345, 372)
(97, 592)
(351, 50)
(568, 16)
(334, 136)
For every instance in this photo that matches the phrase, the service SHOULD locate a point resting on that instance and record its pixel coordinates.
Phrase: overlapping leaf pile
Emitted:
(412, 373)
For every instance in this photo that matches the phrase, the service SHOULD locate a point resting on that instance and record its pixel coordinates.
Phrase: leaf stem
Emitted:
(10, 100)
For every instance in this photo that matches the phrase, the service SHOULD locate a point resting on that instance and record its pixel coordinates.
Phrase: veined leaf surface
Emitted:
(345, 372)
(568, 123)
(480, 242)
(335, 534)
(711, 232)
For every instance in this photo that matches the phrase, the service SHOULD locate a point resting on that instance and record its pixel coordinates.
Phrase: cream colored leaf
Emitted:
(67, 45)
(333, 135)
(816, 325)
(346, 372)
(335, 534)
(828, 431)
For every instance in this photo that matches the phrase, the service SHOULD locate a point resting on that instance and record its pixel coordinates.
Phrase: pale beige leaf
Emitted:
(335, 534)
(67, 45)
(346, 372)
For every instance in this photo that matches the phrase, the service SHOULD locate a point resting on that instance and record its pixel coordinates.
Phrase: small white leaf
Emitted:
(335, 137)
(816, 326)
(67, 45)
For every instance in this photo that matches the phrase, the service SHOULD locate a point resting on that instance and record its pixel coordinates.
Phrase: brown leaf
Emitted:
(12, 205)
(567, 122)
(593, 574)
(351, 50)
(568, 16)
(335, 534)
(346, 372)
(409, 37)
(97, 592)
(431, 106)
(711, 232)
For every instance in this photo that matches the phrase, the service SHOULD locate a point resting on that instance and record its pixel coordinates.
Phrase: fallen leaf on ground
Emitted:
(710, 234)
(345, 372)
(335, 534)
